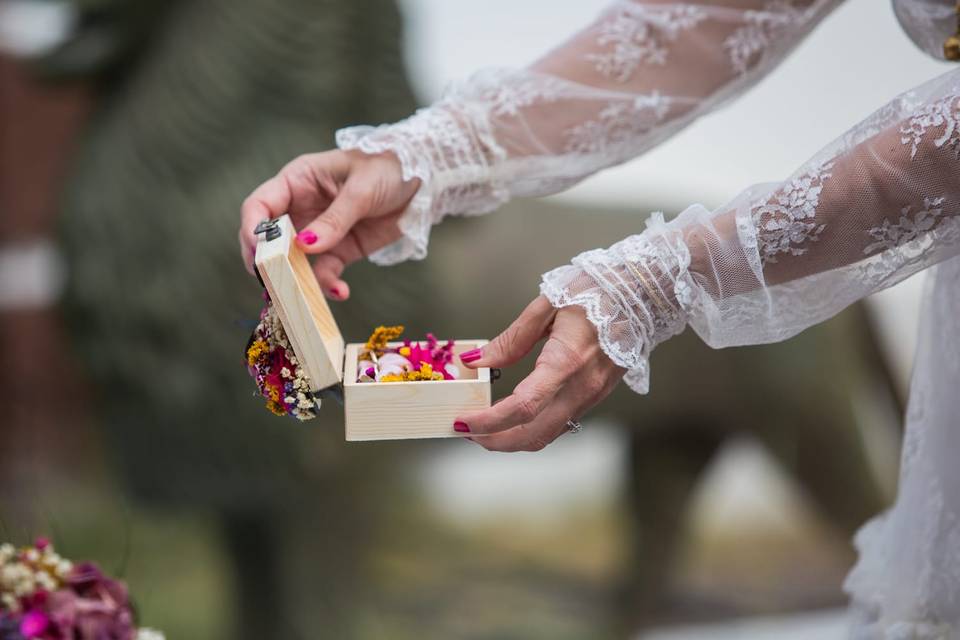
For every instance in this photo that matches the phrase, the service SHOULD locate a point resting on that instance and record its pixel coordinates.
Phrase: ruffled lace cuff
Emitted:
(450, 150)
(637, 294)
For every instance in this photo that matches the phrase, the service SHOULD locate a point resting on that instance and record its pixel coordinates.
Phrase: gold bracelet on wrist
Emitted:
(651, 289)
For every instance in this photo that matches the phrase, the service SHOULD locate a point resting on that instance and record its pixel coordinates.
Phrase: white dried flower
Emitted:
(64, 567)
(46, 581)
(10, 602)
(25, 587)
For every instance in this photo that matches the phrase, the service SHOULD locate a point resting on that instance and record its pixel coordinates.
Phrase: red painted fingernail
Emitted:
(461, 427)
(307, 237)
(471, 356)
(335, 292)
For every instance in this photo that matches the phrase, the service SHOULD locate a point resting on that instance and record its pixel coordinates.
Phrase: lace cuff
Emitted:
(637, 294)
(451, 152)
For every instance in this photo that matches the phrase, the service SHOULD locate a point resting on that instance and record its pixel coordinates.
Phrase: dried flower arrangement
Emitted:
(46, 597)
(409, 362)
(276, 370)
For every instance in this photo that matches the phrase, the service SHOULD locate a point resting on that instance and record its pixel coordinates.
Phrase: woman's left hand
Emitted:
(572, 374)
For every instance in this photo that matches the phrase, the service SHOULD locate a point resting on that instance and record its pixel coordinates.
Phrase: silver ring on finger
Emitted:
(573, 426)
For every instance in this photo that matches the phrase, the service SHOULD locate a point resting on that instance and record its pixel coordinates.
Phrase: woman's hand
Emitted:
(345, 206)
(572, 374)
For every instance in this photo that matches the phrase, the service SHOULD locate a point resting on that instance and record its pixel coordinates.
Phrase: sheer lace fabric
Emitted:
(636, 76)
(874, 207)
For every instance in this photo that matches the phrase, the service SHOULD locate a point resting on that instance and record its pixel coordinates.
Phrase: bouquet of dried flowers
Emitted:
(45, 597)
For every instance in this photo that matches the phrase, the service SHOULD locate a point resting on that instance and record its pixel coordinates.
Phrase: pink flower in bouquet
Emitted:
(46, 597)
(94, 607)
(34, 624)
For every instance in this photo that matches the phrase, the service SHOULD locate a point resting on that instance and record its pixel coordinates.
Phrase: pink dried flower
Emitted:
(34, 624)
(93, 607)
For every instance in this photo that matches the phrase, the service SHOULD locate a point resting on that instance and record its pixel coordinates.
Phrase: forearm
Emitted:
(871, 209)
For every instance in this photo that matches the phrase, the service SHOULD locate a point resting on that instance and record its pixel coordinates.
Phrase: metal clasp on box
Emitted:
(269, 228)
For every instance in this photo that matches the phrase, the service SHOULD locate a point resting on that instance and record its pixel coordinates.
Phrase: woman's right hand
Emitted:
(344, 204)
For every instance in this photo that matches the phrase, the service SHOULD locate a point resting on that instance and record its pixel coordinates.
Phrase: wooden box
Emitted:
(373, 410)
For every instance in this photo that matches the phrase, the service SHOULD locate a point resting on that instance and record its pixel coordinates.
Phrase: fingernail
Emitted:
(307, 237)
(461, 427)
(335, 292)
(471, 356)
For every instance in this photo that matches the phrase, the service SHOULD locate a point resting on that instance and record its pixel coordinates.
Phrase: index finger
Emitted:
(270, 200)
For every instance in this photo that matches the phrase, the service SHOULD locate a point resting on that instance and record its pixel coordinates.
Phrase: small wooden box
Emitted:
(373, 410)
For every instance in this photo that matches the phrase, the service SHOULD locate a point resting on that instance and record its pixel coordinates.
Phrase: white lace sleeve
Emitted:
(874, 207)
(637, 75)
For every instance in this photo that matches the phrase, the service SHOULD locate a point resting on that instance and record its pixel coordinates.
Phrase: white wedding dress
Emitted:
(872, 208)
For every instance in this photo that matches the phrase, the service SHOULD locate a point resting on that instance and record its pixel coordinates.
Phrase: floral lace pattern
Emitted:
(788, 222)
(761, 31)
(910, 226)
(639, 35)
(942, 113)
(617, 125)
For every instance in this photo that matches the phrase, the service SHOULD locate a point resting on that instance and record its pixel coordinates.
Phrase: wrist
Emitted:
(637, 294)
(448, 159)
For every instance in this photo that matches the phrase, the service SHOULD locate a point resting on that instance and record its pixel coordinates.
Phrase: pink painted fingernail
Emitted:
(307, 237)
(335, 292)
(461, 427)
(471, 356)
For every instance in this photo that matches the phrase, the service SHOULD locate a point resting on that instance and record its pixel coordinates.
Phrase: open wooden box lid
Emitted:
(296, 295)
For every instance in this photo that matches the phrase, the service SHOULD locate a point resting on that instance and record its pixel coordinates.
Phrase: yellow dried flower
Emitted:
(277, 408)
(424, 373)
(380, 337)
(257, 350)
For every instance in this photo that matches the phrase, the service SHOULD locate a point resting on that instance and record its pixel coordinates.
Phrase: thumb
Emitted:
(327, 230)
(518, 339)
